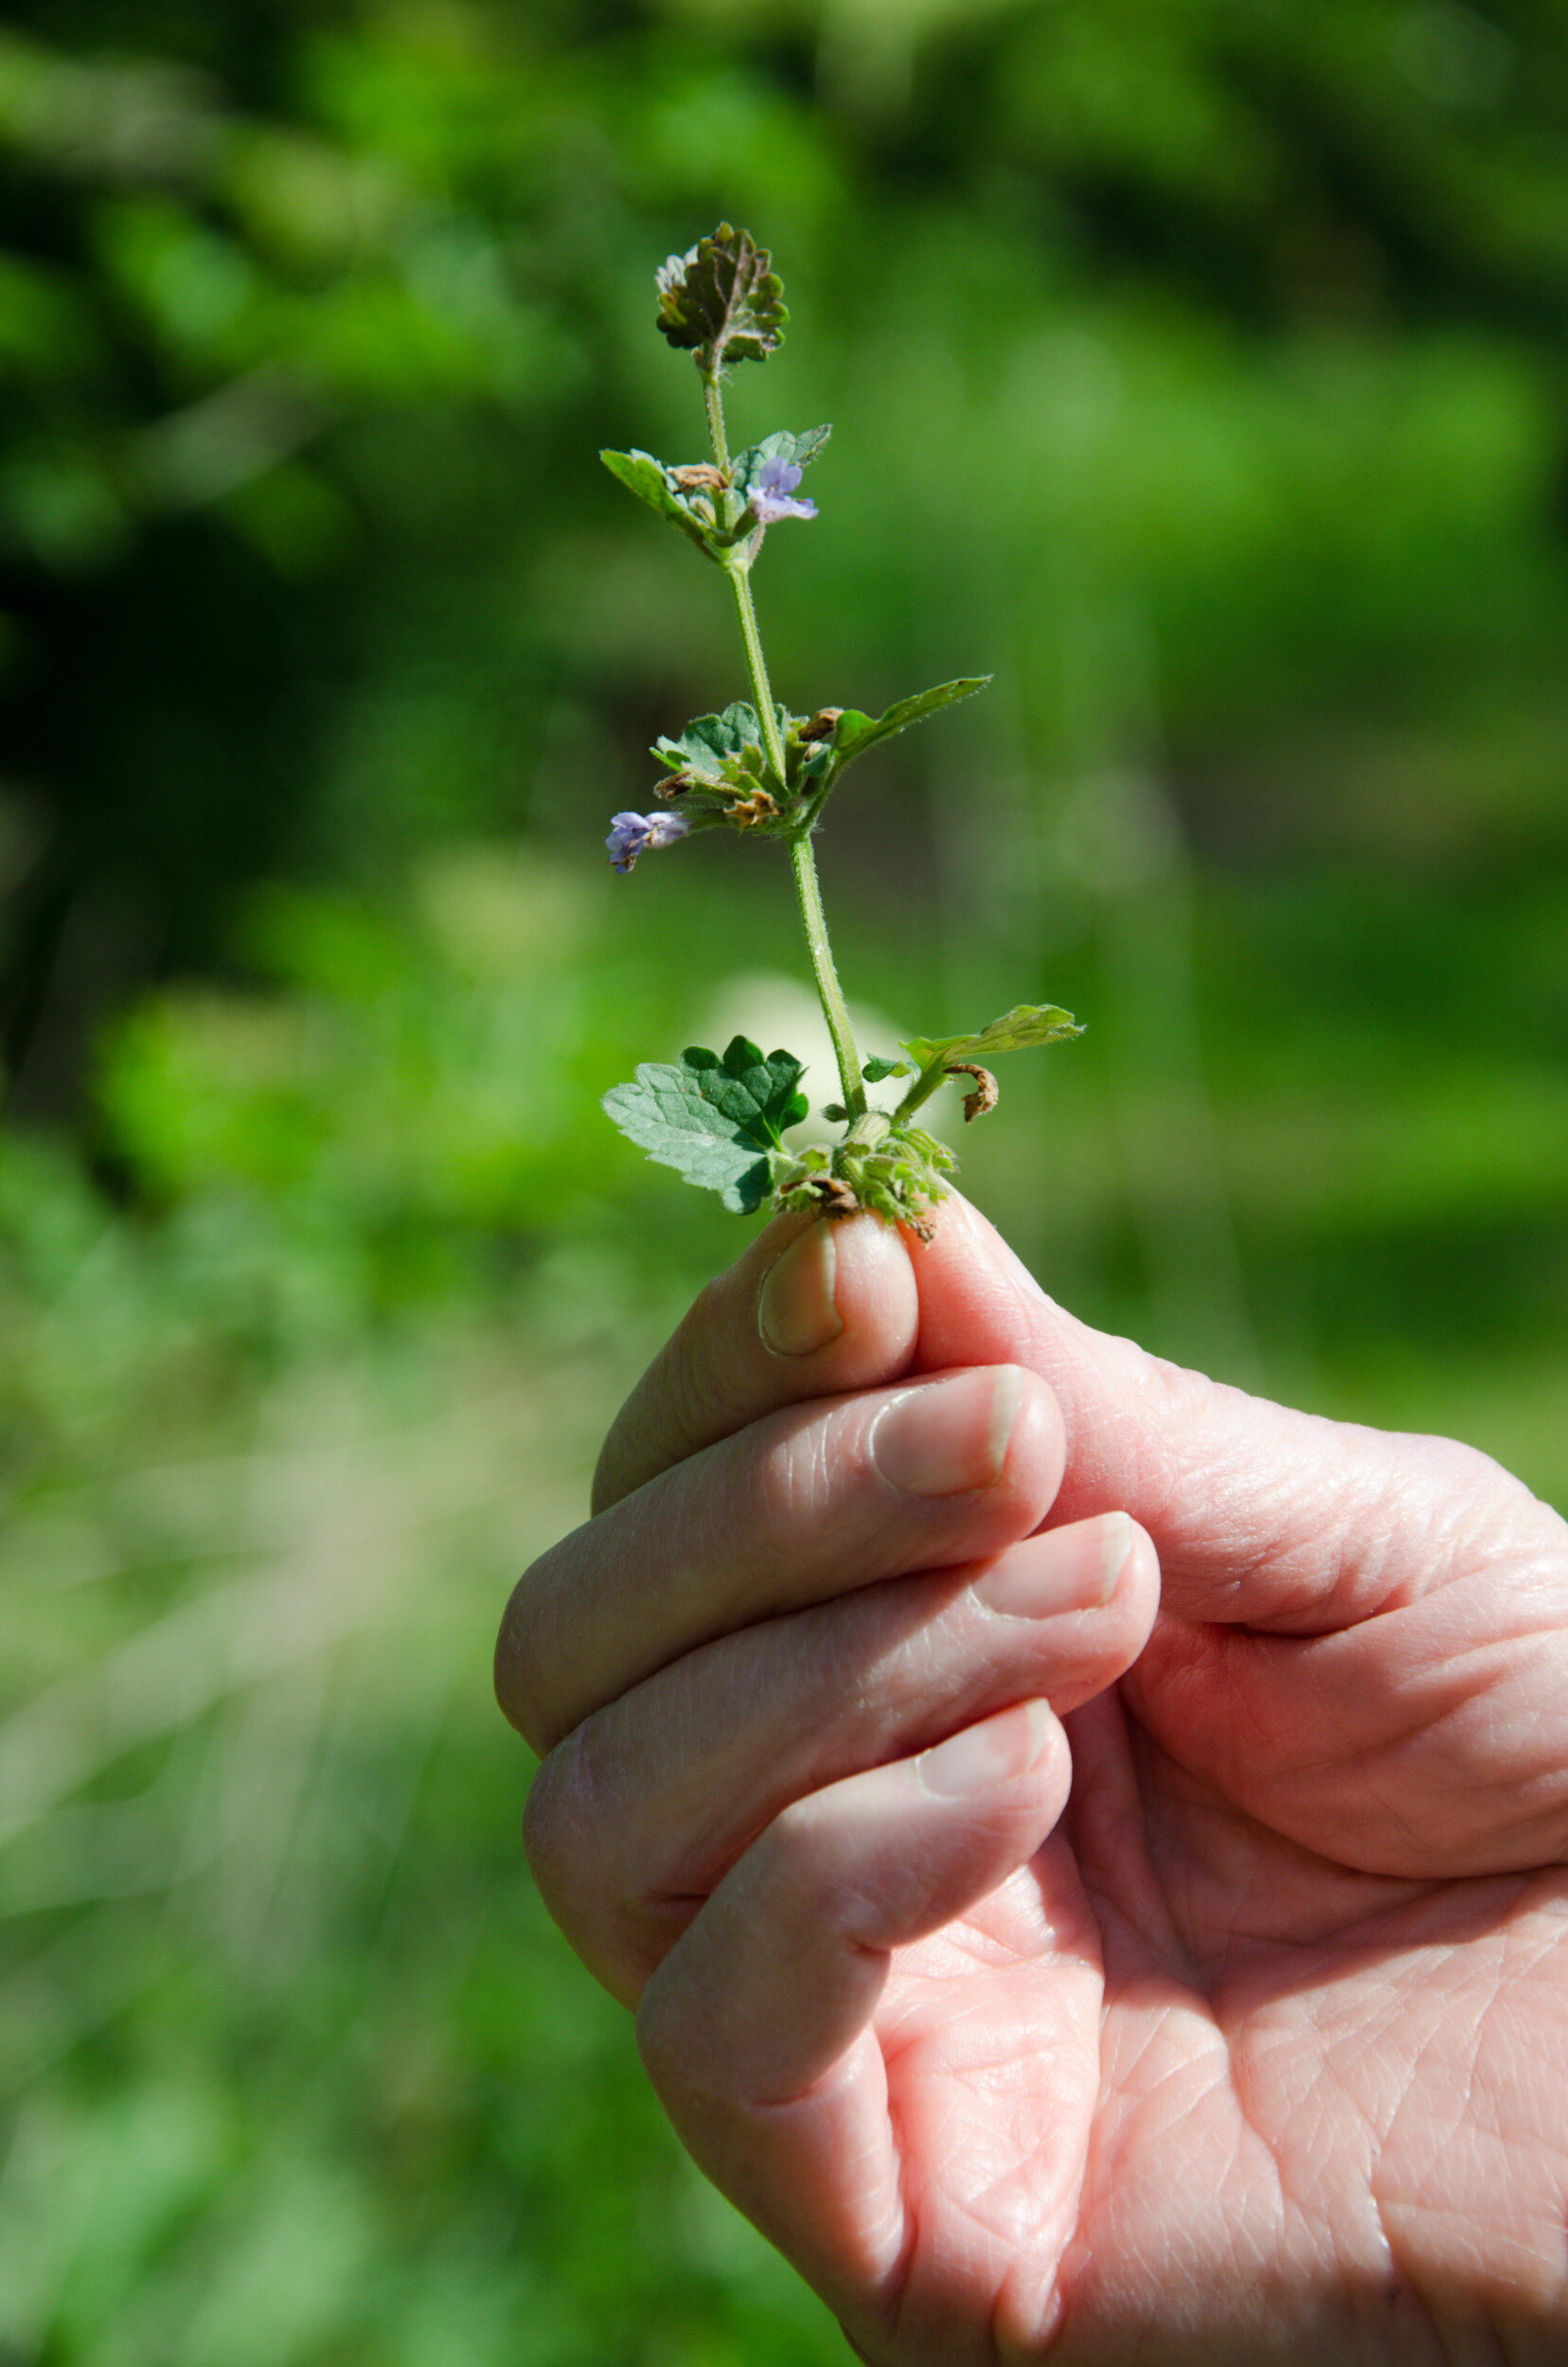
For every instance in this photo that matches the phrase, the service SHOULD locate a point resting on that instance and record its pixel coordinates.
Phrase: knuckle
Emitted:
(664, 2038)
(792, 1847)
(559, 1824)
(811, 1858)
(779, 1473)
(806, 1476)
(684, 1388)
(521, 1655)
(698, 1393)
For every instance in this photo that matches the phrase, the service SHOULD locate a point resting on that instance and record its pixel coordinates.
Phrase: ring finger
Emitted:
(635, 1819)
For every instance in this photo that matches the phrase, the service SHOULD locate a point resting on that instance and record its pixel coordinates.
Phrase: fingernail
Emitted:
(796, 1312)
(1074, 1569)
(951, 1436)
(985, 1755)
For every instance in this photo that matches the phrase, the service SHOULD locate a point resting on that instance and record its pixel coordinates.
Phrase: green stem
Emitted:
(735, 567)
(802, 861)
(714, 404)
(922, 1089)
(833, 1007)
(756, 665)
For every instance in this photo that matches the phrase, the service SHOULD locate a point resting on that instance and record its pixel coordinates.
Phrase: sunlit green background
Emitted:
(1200, 368)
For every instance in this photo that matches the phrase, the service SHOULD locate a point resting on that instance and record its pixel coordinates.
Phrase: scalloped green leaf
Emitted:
(719, 1120)
(722, 300)
(723, 751)
(1026, 1024)
(857, 732)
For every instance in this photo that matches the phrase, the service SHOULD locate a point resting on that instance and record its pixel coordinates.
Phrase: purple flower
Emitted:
(632, 834)
(770, 490)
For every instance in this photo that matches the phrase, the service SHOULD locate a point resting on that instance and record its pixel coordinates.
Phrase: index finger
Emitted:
(817, 1308)
(1261, 1516)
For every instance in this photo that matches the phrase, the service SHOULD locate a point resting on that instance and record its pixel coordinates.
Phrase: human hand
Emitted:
(1261, 2048)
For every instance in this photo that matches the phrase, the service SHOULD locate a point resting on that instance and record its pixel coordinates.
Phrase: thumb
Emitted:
(1261, 1515)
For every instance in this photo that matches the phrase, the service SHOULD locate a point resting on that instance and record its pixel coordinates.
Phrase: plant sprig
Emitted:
(721, 1120)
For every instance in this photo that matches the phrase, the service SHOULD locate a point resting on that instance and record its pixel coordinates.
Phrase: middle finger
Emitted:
(807, 1503)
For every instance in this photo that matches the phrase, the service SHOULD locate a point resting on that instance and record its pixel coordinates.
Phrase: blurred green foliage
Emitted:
(1196, 367)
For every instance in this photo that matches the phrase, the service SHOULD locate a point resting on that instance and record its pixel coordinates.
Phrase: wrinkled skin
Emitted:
(1256, 2047)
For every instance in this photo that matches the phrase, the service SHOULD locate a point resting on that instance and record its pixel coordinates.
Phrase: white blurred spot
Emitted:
(1118, 831)
(781, 1013)
(1451, 55)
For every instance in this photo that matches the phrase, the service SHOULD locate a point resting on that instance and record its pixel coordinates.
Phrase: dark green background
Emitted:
(1195, 366)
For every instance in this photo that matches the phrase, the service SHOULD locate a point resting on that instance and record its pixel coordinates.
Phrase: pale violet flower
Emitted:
(772, 491)
(632, 834)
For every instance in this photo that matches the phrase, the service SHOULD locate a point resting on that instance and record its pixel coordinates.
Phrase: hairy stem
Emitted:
(745, 607)
(714, 404)
(802, 861)
(831, 994)
(756, 665)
